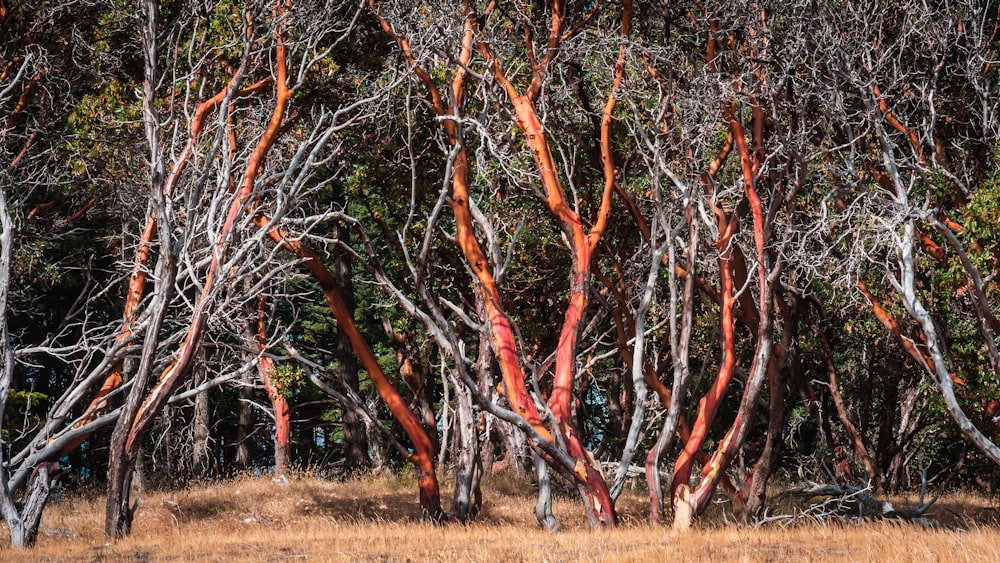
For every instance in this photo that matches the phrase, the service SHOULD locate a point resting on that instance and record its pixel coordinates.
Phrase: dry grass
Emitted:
(376, 519)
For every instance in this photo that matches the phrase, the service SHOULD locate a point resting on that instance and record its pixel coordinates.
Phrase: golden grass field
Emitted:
(376, 519)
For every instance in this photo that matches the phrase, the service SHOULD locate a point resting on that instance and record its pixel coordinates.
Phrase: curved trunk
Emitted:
(143, 407)
(597, 500)
(709, 404)
(779, 404)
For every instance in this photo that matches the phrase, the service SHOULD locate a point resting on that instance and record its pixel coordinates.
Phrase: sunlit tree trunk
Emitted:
(423, 455)
(143, 407)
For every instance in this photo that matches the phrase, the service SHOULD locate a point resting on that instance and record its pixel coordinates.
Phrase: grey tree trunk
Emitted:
(543, 508)
(469, 467)
(23, 521)
(244, 421)
(356, 458)
(467, 460)
(200, 434)
(118, 516)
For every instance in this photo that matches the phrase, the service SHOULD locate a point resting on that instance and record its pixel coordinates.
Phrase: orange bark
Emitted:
(22, 102)
(749, 165)
(890, 323)
(898, 125)
(160, 392)
(501, 334)
(423, 454)
(838, 401)
(894, 328)
(582, 245)
(275, 393)
(709, 404)
(937, 251)
(137, 280)
(623, 321)
(136, 287)
(599, 505)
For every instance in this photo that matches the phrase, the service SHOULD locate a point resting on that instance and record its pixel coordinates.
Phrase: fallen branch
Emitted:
(851, 504)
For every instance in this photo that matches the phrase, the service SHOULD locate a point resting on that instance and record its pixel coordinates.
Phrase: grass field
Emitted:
(376, 519)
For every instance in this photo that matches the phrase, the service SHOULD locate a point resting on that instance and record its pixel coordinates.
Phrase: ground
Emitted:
(376, 518)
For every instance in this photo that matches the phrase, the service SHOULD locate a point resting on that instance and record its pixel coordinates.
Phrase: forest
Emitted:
(707, 246)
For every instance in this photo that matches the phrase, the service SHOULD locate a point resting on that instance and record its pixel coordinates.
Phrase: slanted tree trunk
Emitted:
(838, 401)
(680, 345)
(119, 513)
(680, 486)
(138, 278)
(423, 449)
(597, 501)
(419, 383)
(768, 270)
(144, 406)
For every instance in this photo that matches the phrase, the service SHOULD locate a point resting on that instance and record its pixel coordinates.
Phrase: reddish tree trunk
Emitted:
(257, 341)
(709, 404)
(424, 452)
(763, 353)
(138, 420)
(838, 402)
(597, 501)
(282, 417)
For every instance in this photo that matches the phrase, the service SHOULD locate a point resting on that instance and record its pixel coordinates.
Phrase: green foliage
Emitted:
(32, 265)
(18, 399)
(287, 379)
